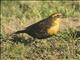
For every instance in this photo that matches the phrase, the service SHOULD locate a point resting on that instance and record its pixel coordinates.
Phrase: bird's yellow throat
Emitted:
(55, 27)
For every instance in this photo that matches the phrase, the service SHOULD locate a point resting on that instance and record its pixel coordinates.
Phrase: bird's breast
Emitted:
(53, 30)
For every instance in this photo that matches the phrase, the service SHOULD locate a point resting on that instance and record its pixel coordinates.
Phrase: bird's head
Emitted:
(57, 15)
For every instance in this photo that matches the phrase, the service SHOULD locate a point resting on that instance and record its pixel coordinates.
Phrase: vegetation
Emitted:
(16, 15)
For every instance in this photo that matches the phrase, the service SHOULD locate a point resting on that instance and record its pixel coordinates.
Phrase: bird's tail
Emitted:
(21, 31)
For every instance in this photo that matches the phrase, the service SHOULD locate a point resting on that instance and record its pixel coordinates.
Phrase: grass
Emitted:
(16, 15)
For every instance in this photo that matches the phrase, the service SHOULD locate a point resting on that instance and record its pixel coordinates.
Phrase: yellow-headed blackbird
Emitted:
(44, 28)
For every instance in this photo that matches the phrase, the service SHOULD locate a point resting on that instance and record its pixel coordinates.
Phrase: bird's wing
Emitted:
(46, 23)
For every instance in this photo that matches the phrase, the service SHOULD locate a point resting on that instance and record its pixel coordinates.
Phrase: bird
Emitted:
(45, 28)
